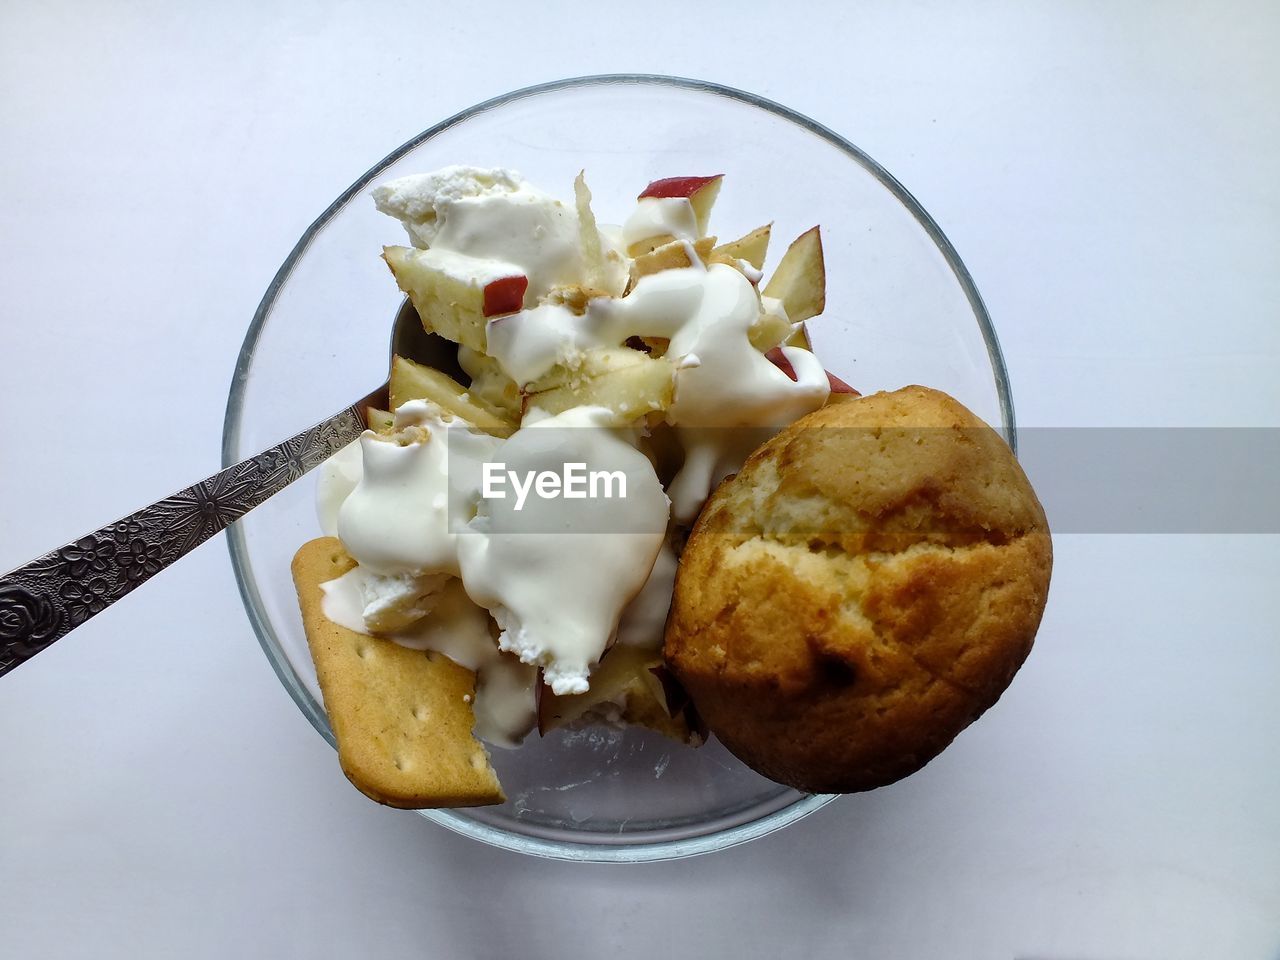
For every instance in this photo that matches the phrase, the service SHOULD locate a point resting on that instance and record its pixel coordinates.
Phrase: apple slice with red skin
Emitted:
(779, 360)
(455, 303)
(701, 193)
(839, 386)
(505, 295)
(678, 186)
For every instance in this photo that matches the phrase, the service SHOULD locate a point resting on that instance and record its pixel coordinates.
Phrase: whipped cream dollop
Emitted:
(515, 590)
(644, 619)
(416, 492)
(489, 215)
(557, 578)
(336, 478)
(661, 217)
(729, 397)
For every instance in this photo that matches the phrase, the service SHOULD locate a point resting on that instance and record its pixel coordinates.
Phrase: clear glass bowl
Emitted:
(901, 308)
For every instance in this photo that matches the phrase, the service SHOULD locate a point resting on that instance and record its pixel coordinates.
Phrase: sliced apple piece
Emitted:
(588, 235)
(489, 384)
(701, 192)
(839, 387)
(414, 381)
(693, 198)
(800, 279)
(649, 244)
(770, 331)
(587, 365)
(627, 687)
(752, 248)
(630, 392)
(628, 382)
(499, 391)
(773, 326)
(380, 421)
(504, 295)
(455, 294)
(671, 256)
(800, 338)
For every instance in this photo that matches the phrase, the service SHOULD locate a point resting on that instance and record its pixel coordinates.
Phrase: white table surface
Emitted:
(1108, 173)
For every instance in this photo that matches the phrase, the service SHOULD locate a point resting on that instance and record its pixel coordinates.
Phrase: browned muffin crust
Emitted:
(863, 590)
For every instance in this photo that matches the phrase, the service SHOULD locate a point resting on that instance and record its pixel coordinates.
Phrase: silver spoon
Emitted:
(48, 597)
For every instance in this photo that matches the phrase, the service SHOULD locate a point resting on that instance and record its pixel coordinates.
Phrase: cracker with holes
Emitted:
(402, 718)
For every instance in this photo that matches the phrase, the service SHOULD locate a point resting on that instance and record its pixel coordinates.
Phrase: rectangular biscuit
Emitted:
(402, 717)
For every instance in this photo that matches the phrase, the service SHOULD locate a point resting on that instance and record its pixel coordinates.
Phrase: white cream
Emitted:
(557, 578)
(722, 381)
(644, 619)
(659, 305)
(773, 307)
(489, 215)
(725, 388)
(560, 578)
(399, 601)
(420, 201)
(719, 428)
(617, 265)
(660, 217)
(416, 493)
(505, 704)
(754, 276)
(529, 343)
(337, 477)
(343, 600)
(734, 384)
(372, 603)
(710, 455)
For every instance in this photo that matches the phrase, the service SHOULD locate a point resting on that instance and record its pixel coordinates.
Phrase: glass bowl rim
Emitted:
(271, 646)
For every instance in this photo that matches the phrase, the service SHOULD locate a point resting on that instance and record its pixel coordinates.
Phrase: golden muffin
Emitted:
(861, 591)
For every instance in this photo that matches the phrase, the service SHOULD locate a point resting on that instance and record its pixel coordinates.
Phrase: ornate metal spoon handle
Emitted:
(53, 594)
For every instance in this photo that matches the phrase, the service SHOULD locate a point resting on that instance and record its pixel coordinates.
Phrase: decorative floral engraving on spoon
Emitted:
(51, 595)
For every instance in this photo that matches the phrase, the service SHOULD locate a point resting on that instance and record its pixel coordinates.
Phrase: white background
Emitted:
(1108, 173)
